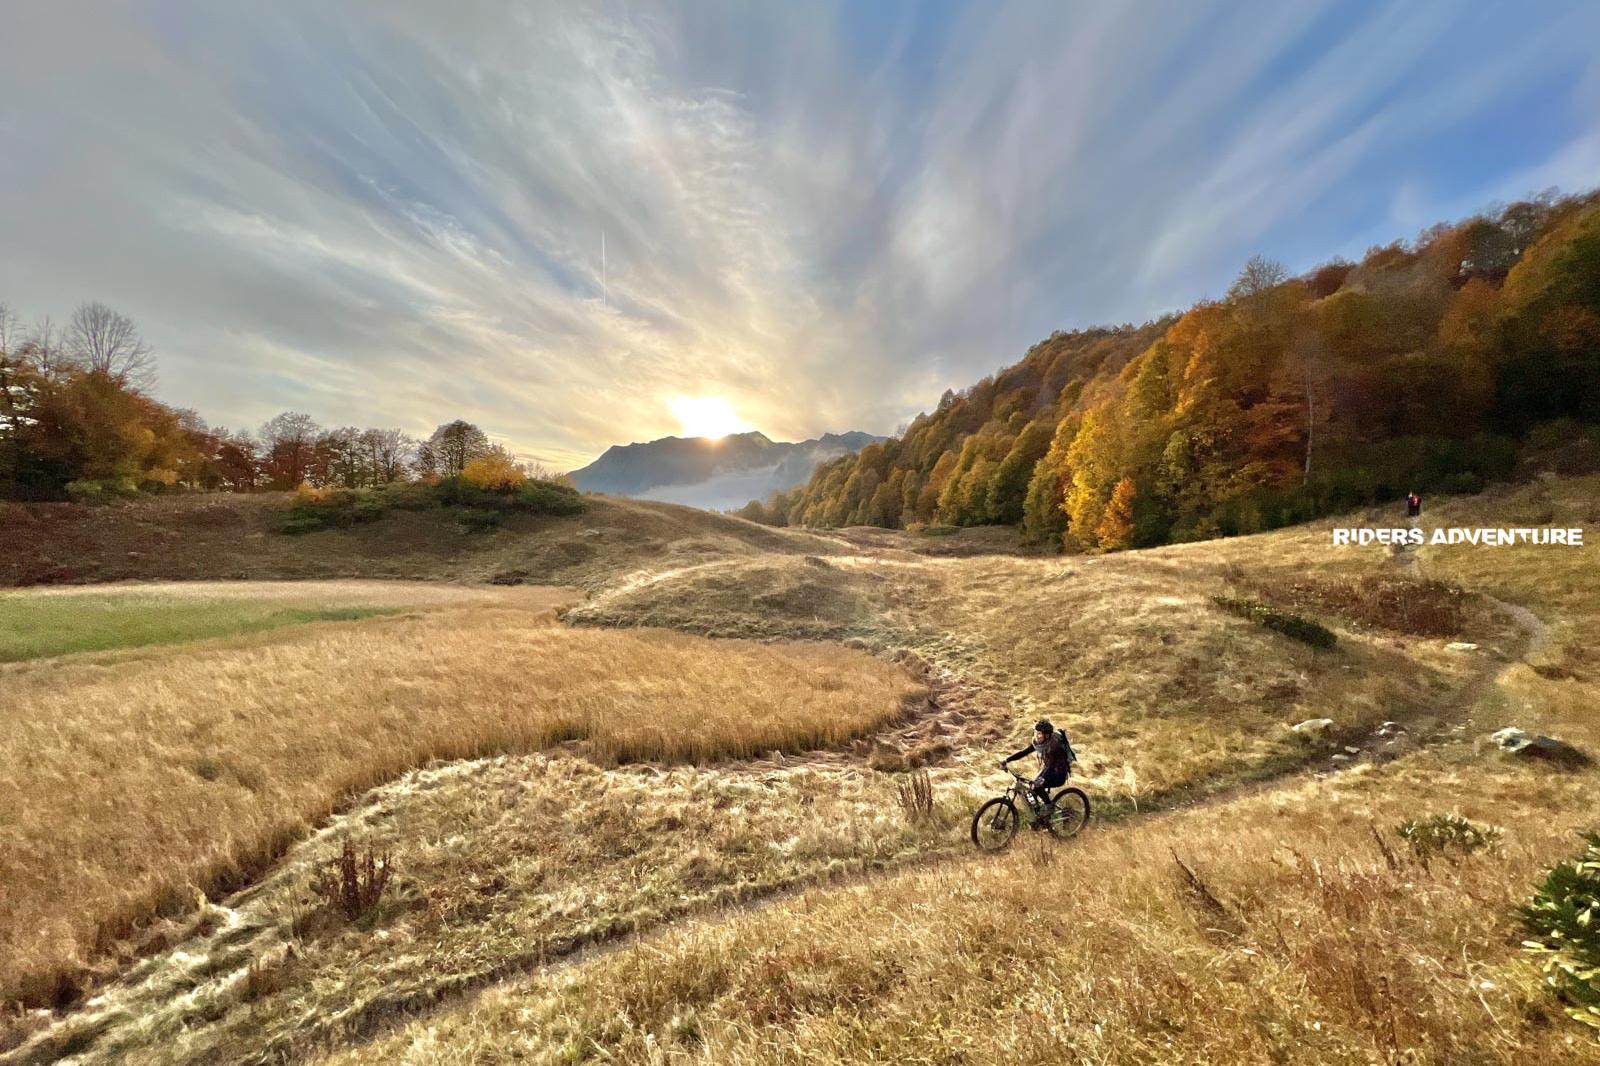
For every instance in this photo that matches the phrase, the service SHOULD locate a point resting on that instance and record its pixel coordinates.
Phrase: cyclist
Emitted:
(1055, 758)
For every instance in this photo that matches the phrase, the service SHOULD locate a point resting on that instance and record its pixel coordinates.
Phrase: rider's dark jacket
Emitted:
(1053, 755)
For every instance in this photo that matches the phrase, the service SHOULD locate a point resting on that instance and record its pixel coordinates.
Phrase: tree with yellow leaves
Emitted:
(1116, 525)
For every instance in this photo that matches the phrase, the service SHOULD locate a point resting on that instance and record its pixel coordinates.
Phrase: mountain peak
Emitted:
(713, 472)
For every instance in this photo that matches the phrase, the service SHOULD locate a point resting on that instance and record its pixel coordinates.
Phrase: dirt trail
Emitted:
(228, 937)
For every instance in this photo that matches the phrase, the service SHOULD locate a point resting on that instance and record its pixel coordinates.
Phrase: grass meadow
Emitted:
(1308, 934)
(125, 781)
(602, 859)
(1290, 924)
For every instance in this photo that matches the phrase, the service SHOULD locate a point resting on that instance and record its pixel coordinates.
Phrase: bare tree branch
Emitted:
(107, 342)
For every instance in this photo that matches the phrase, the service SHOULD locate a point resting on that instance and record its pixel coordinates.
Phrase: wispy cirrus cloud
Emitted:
(392, 213)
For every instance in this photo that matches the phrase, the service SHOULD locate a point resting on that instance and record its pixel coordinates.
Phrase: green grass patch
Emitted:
(42, 625)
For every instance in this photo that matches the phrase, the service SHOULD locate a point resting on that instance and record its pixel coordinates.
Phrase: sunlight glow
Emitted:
(706, 416)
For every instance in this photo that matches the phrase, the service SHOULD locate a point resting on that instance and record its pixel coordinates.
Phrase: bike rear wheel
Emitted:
(1070, 813)
(995, 824)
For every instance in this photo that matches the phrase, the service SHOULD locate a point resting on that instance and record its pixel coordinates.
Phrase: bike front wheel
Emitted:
(1070, 813)
(995, 824)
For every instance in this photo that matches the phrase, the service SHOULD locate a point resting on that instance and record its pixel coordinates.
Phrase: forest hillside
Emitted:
(1429, 365)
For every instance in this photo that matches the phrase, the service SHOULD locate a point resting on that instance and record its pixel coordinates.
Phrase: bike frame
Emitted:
(1022, 789)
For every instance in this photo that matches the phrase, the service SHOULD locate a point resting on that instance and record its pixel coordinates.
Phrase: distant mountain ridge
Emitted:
(713, 473)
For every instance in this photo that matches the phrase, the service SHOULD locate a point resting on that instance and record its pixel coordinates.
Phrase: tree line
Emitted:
(77, 421)
(1428, 365)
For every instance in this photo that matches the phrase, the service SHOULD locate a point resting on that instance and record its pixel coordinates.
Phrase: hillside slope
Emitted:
(1427, 366)
(221, 536)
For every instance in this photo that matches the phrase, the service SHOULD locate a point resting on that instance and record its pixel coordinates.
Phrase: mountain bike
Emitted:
(997, 821)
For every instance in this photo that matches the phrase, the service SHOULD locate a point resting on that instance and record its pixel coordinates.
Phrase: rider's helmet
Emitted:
(1043, 726)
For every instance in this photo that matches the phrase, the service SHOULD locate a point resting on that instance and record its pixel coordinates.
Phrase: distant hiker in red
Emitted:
(1413, 505)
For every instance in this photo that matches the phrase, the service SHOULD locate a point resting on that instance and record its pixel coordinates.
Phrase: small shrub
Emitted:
(551, 498)
(295, 524)
(480, 519)
(410, 495)
(1564, 918)
(367, 508)
(307, 494)
(915, 794)
(1399, 604)
(352, 882)
(458, 492)
(1445, 834)
(495, 472)
(1290, 625)
(317, 508)
(89, 491)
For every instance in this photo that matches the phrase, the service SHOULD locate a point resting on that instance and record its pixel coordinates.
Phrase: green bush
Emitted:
(331, 509)
(88, 491)
(1290, 625)
(455, 492)
(1564, 918)
(298, 521)
(479, 519)
(549, 497)
(1444, 834)
(409, 496)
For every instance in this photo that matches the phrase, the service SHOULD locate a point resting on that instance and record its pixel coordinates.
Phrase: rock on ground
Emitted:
(1526, 745)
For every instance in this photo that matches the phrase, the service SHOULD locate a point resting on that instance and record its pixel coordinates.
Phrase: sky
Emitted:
(815, 217)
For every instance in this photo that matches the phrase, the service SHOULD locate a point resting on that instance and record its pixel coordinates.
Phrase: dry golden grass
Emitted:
(126, 778)
(1300, 941)
(1303, 942)
(503, 863)
(1165, 694)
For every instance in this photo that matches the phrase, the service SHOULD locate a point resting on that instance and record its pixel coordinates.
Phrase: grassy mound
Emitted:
(806, 598)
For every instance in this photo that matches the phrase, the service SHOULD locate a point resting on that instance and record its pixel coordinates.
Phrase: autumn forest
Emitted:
(1430, 365)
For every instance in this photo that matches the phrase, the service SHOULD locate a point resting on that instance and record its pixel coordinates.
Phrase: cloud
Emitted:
(391, 213)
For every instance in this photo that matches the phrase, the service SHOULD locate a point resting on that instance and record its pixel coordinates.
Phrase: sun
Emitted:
(706, 416)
